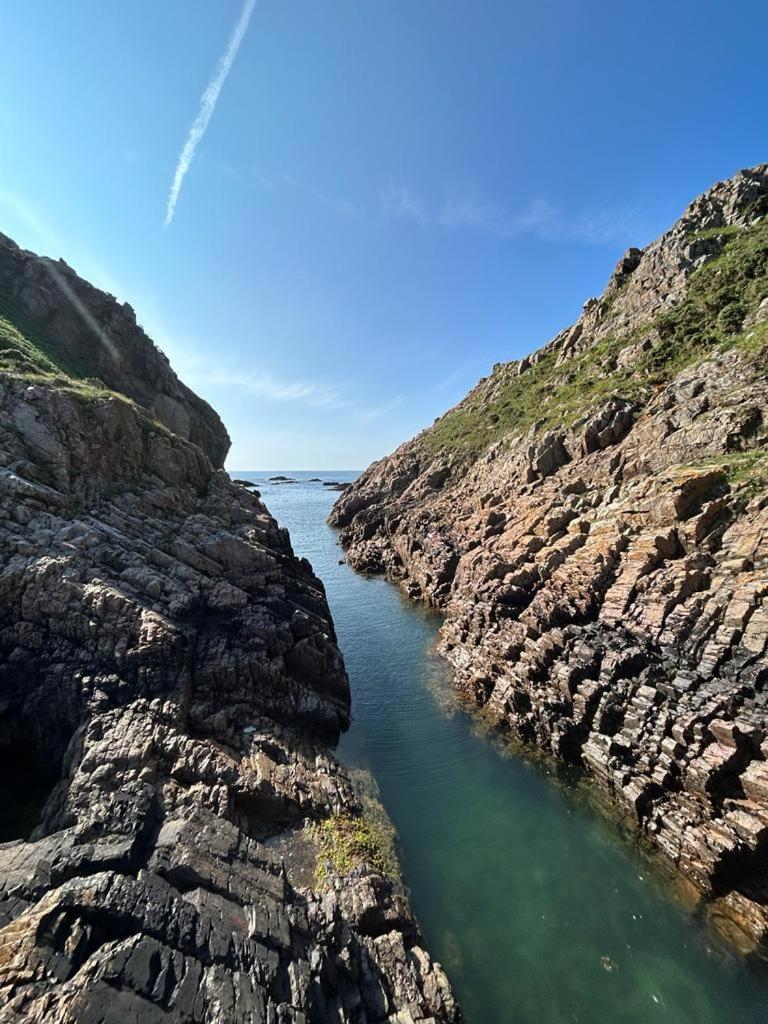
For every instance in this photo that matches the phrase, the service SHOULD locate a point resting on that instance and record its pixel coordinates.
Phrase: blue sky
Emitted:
(390, 196)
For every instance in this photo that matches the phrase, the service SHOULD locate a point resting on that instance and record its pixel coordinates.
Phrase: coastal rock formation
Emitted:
(171, 666)
(593, 522)
(87, 333)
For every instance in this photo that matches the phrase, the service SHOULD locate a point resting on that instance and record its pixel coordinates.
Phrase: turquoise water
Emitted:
(539, 909)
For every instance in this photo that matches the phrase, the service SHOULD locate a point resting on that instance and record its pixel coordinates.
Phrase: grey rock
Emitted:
(165, 654)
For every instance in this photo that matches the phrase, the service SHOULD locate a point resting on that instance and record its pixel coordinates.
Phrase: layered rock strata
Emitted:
(172, 666)
(593, 522)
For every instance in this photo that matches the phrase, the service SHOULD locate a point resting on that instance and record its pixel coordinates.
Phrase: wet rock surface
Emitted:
(605, 582)
(172, 665)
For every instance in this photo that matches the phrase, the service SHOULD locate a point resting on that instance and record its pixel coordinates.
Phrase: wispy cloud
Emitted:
(207, 106)
(471, 211)
(398, 201)
(312, 393)
(275, 184)
(333, 202)
(468, 210)
(457, 374)
(198, 372)
(607, 227)
(377, 411)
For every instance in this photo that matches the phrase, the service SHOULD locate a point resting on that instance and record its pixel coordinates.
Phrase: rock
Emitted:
(173, 666)
(758, 317)
(608, 426)
(604, 582)
(545, 456)
(100, 335)
(630, 354)
(626, 266)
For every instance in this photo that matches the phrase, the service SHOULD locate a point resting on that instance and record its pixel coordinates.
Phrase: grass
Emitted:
(28, 354)
(726, 231)
(345, 843)
(25, 345)
(720, 295)
(25, 354)
(707, 320)
(747, 471)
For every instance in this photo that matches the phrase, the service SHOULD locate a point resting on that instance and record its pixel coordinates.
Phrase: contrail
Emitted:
(207, 107)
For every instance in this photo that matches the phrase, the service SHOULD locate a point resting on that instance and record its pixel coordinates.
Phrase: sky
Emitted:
(335, 217)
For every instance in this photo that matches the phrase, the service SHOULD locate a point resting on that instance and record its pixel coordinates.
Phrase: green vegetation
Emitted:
(26, 348)
(719, 296)
(28, 353)
(707, 320)
(345, 842)
(722, 232)
(747, 471)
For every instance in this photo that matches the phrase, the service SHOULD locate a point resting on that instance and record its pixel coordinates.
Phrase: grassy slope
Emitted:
(28, 354)
(707, 320)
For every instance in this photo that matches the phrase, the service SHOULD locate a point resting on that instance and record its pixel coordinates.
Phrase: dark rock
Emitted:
(170, 663)
(608, 426)
(101, 338)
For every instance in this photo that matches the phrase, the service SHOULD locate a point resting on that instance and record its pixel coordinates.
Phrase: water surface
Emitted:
(539, 909)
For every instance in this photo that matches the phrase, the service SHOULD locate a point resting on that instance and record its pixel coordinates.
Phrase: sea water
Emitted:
(538, 907)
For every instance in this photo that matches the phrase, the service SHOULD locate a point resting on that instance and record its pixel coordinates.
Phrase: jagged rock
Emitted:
(626, 266)
(611, 605)
(545, 456)
(173, 666)
(608, 426)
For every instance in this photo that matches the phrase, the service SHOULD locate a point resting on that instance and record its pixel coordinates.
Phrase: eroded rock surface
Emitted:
(604, 571)
(169, 659)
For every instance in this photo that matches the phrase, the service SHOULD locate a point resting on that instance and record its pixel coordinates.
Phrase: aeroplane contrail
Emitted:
(207, 107)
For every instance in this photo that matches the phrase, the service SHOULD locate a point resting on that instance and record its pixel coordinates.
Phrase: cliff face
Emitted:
(593, 522)
(83, 332)
(171, 666)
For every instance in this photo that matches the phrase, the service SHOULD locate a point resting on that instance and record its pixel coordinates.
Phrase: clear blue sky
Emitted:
(391, 195)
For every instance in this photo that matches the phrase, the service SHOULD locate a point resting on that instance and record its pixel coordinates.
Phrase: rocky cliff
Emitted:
(80, 331)
(593, 522)
(170, 668)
